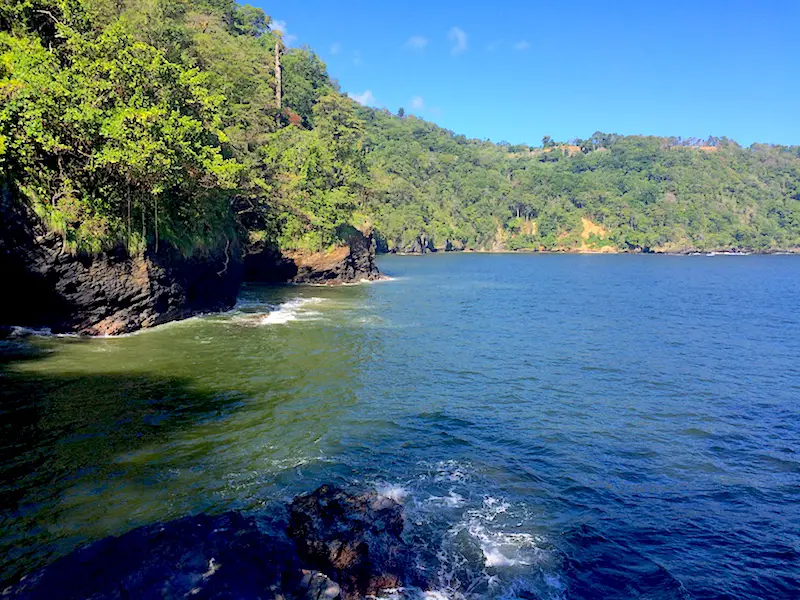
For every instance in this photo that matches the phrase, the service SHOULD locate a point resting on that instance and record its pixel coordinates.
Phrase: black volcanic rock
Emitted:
(340, 545)
(351, 262)
(223, 557)
(354, 540)
(108, 293)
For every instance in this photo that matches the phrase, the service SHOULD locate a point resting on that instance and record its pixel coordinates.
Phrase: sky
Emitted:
(515, 71)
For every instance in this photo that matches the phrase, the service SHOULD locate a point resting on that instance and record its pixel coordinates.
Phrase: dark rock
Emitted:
(351, 262)
(108, 293)
(225, 556)
(419, 245)
(354, 540)
(264, 263)
(342, 546)
(316, 586)
(455, 245)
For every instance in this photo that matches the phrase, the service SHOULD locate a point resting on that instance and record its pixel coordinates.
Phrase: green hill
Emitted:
(147, 122)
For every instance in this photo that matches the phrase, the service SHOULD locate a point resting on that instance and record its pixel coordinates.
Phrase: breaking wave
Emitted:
(297, 309)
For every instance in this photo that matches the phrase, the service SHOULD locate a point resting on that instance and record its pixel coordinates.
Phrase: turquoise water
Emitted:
(556, 426)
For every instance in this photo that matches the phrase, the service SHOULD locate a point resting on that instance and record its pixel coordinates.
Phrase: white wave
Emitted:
(292, 311)
(495, 558)
(417, 594)
(382, 279)
(448, 471)
(452, 500)
(396, 492)
(18, 332)
(500, 548)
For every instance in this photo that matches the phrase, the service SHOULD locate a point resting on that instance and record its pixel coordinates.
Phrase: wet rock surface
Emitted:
(339, 546)
(355, 540)
(108, 293)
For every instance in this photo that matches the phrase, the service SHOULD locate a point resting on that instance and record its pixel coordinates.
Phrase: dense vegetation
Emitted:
(640, 192)
(150, 121)
(144, 121)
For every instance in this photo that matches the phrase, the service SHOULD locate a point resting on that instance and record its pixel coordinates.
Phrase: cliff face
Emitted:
(351, 262)
(112, 292)
(109, 293)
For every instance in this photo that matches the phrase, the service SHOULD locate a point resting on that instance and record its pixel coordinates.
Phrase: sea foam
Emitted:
(292, 311)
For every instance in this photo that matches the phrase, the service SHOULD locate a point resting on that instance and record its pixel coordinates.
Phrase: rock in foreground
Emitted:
(225, 556)
(354, 540)
(339, 546)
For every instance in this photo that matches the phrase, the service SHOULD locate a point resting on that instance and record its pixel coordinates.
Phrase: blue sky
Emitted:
(515, 70)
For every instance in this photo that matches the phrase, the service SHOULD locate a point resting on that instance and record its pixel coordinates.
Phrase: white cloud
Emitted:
(522, 45)
(366, 97)
(417, 42)
(280, 26)
(335, 48)
(458, 39)
(417, 103)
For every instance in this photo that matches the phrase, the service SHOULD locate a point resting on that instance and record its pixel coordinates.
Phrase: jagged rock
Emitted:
(316, 586)
(341, 547)
(454, 246)
(350, 262)
(108, 293)
(419, 245)
(355, 540)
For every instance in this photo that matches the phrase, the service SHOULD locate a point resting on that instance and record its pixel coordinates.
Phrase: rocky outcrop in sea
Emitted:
(349, 262)
(337, 546)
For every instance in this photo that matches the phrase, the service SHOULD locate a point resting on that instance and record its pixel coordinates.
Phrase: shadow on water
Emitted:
(59, 430)
(223, 556)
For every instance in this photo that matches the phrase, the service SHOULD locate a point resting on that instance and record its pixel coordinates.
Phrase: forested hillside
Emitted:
(431, 187)
(152, 121)
(188, 122)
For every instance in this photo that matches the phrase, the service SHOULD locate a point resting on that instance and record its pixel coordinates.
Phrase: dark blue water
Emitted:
(556, 426)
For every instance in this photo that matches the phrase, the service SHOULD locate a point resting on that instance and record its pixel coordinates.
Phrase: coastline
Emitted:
(576, 251)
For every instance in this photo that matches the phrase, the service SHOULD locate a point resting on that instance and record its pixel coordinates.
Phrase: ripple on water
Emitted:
(555, 426)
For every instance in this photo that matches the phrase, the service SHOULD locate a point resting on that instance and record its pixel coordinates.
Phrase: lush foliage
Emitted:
(150, 121)
(141, 121)
(433, 188)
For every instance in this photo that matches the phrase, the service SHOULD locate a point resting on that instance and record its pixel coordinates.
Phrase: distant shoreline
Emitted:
(708, 253)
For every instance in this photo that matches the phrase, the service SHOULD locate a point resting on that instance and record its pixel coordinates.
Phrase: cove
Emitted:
(554, 426)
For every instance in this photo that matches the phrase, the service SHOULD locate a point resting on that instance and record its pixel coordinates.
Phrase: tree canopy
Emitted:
(145, 122)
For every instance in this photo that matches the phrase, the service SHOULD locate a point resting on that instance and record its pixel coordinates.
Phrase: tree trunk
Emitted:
(278, 85)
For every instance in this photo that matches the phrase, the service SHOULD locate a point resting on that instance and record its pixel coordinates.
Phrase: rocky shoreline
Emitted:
(351, 262)
(336, 546)
(684, 252)
(113, 293)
